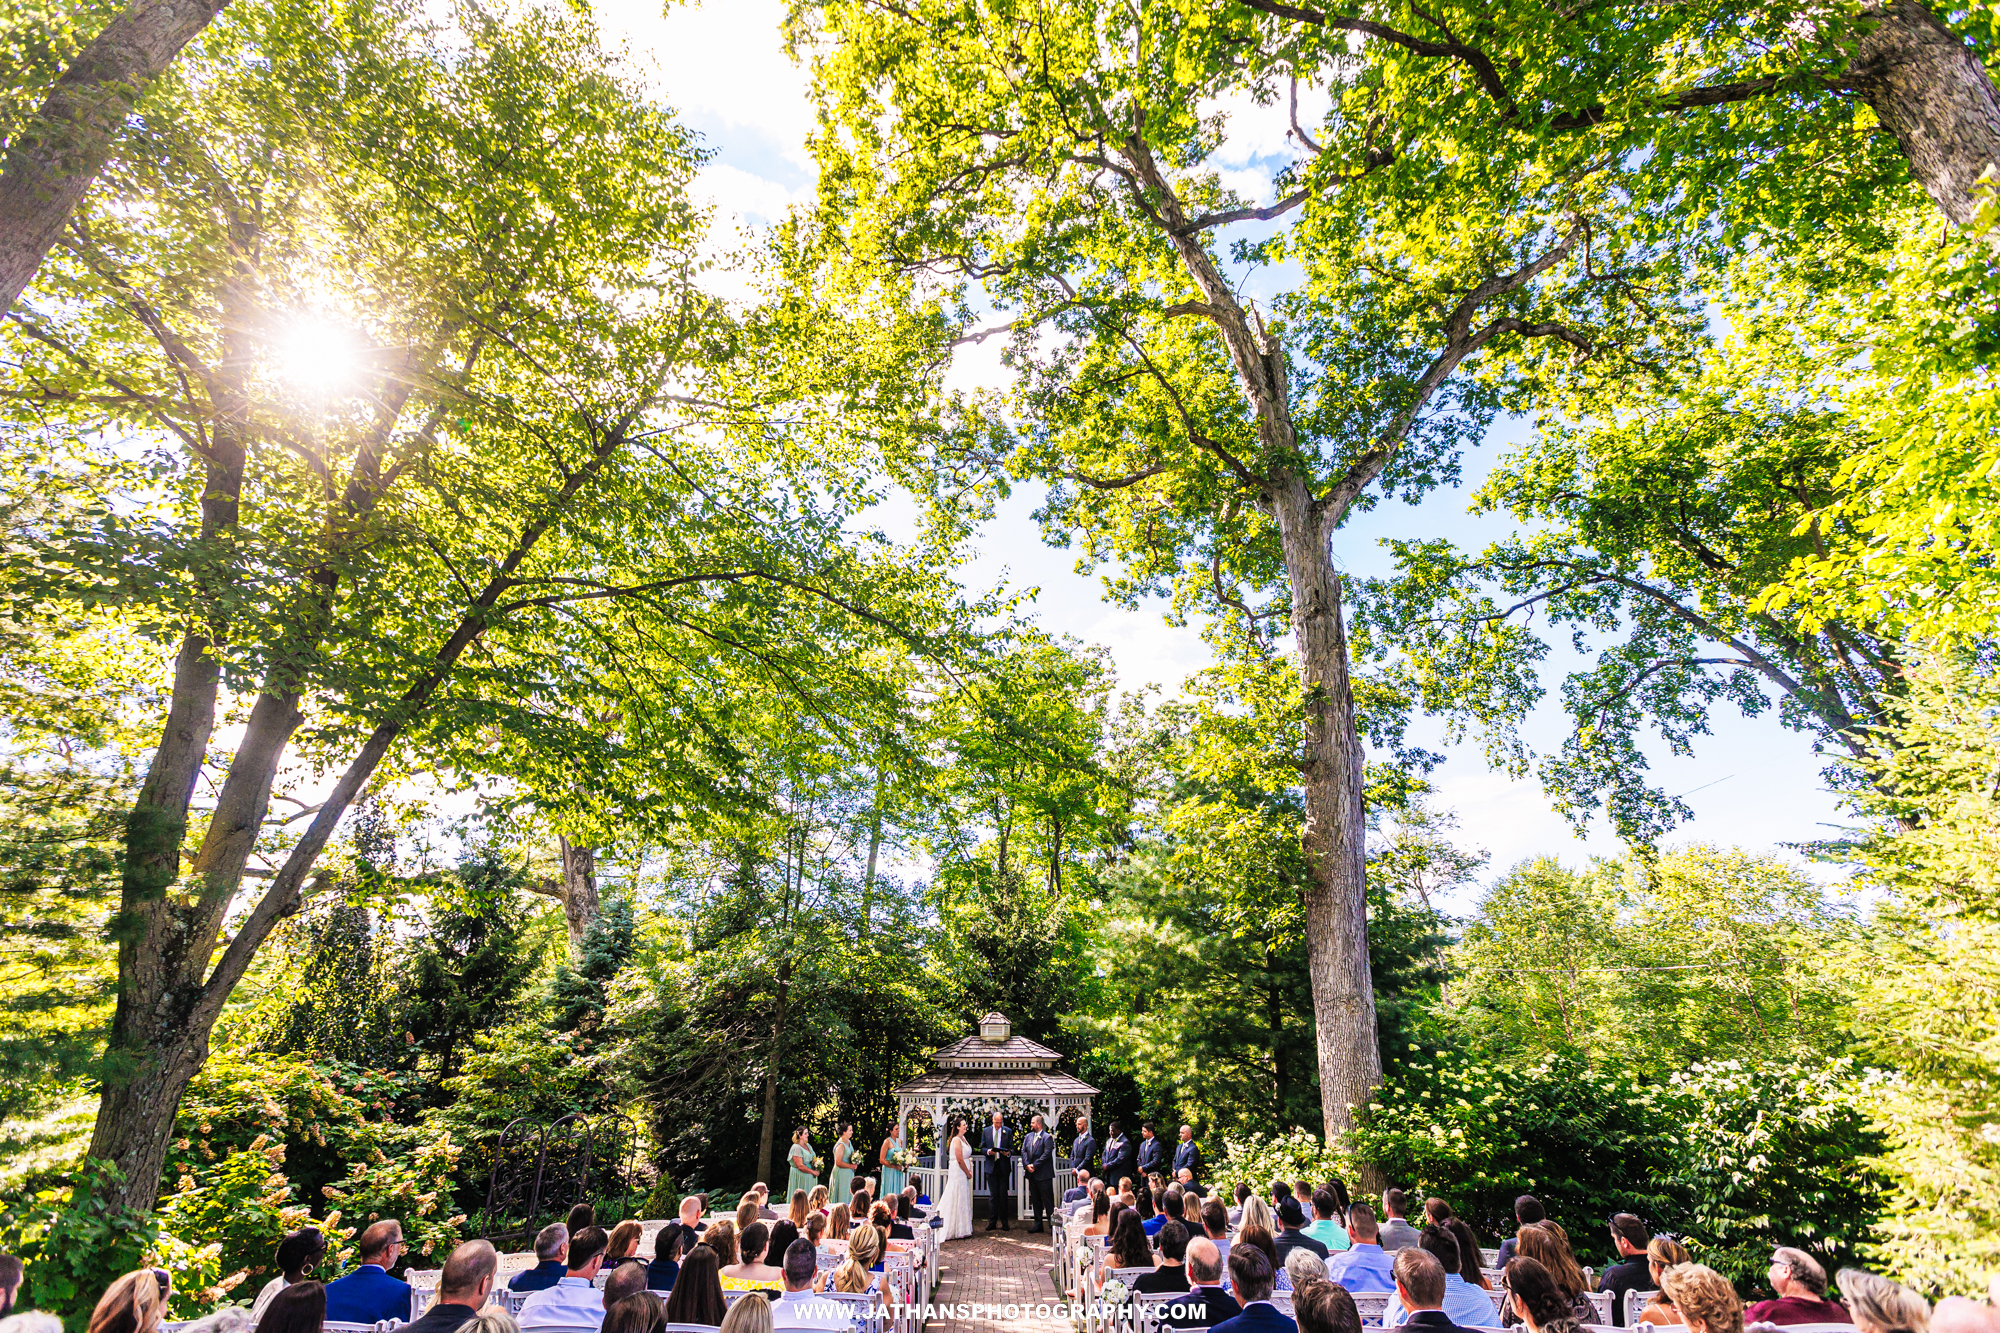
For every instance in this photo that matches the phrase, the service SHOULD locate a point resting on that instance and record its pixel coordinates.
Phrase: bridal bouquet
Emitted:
(902, 1158)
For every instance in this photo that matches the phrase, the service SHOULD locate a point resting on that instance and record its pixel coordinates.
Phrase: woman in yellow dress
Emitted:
(752, 1273)
(805, 1165)
(843, 1165)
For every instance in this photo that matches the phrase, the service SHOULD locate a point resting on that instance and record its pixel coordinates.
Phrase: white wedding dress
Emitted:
(957, 1202)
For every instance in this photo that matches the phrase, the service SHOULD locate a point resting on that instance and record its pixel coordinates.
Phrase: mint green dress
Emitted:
(893, 1179)
(802, 1177)
(842, 1188)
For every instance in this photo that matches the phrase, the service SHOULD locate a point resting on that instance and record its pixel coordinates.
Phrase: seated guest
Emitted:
(575, 1299)
(1207, 1304)
(1631, 1272)
(666, 1266)
(1281, 1190)
(1302, 1266)
(859, 1204)
(298, 1254)
(581, 1216)
(1100, 1216)
(1468, 1252)
(551, 1249)
(1436, 1212)
(1185, 1177)
(677, 1237)
(1078, 1192)
(1082, 1208)
(1215, 1226)
(1396, 1233)
(1527, 1211)
(817, 1200)
(797, 1211)
(750, 1272)
(1129, 1247)
(1257, 1213)
(697, 1297)
(839, 1222)
(746, 1212)
(1291, 1235)
(368, 1293)
(299, 1308)
(801, 1306)
(463, 1286)
(1662, 1253)
(1364, 1265)
(629, 1280)
(783, 1233)
(493, 1319)
(1462, 1303)
(132, 1304)
(721, 1237)
(1709, 1303)
(764, 1211)
(1257, 1238)
(1538, 1241)
(1142, 1199)
(639, 1312)
(1303, 1193)
(1877, 1304)
(1800, 1287)
(1250, 1279)
(1535, 1299)
(816, 1228)
(1236, 1213)
(1171, 1272)
(1325, 1226)
(883, 1218)
(623, 1247)
(1420, 1290)
(1321, 1306)
(862, 1270)
(1171, 1209)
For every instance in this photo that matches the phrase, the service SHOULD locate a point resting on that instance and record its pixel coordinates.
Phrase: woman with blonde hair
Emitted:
(799, 1210)
(1705, 1298)
(131, 1304)
(1257, 1213)
(721, 1237)
(863, 1267)
(1877, 1304)
(750, 1315)
(1662, 1253)
(839, 1222)
(816, 1201)
(494, 1319)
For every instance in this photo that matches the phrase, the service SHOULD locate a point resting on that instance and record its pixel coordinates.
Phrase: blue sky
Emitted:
(1754, 784)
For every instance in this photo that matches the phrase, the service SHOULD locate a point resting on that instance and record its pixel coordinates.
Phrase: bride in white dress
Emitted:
(957, 1203)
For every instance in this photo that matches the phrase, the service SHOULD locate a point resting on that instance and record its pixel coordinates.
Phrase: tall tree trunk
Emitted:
(1336, 902)
(1930, 90)
(51, 164)
(1055, 855)
(1274, 1029)
(1004, 819)
(579, 892)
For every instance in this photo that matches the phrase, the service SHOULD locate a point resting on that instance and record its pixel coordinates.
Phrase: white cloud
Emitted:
(724, 61)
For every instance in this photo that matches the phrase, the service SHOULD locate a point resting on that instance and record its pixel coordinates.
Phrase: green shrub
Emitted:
(220, 1225)
(72, 1244)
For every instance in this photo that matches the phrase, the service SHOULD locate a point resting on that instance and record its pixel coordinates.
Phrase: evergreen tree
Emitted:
(580, 990)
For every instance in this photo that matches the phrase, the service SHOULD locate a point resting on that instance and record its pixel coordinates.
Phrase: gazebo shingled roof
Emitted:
(993, 1063)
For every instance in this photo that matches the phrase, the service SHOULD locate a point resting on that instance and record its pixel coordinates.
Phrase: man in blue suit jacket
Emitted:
(1251, 1278)
(1152, 1152)
(1187, 1157)
(1084, 1148)
(1206, 1303)
(551, 1250)
(368, 1293)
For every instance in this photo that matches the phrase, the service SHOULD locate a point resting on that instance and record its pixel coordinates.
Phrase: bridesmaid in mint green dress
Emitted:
(843, 1166)
(805, 1166)
(892, 1176)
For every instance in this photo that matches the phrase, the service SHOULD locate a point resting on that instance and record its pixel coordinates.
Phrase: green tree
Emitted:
(1058, 155)
(409, 403)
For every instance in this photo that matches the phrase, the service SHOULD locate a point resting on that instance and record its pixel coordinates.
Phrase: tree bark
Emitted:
(1929, 89)
(51, 164)
(874, 850)
(1336, 900)
(579, 892)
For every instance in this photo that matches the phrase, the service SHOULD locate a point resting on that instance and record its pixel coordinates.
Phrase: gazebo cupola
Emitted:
(994, 1027)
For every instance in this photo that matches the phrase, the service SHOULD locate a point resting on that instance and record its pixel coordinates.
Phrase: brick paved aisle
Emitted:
(997, 1269)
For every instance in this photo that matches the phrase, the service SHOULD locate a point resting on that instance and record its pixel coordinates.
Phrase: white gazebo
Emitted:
(994, 1070)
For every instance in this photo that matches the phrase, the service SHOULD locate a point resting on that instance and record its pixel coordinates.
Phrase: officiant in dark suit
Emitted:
(998, 1145)
(1038, 1167)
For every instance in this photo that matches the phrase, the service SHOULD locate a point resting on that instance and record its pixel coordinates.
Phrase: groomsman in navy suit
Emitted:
(1121, 1159)
(1084, 1148)
(1187, 1157)
(1152, 1152)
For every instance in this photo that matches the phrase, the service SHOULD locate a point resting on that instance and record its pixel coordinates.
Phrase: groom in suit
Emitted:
(1038, 1164)
(1152, 1152)
(999, 1148)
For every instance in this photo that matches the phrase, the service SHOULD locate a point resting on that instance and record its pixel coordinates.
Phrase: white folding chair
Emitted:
(1635, 1301)
(512, 1299)
(1499, 1299)
(1369, 1305)
(1493, 1275)
(1600, 1306)
(379, 1326)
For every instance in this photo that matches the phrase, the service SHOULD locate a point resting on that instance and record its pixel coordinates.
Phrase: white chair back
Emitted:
(379, 1326)
(561, 1328)
(1635, 1301)
(1493, 1275)
(513, 1300)
(1369, 1305)
(1600, 1306)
